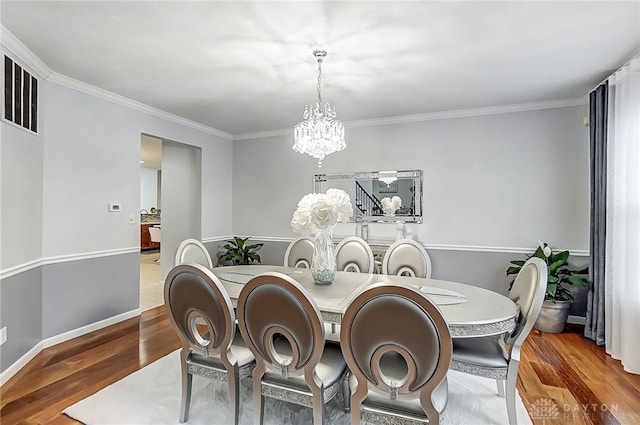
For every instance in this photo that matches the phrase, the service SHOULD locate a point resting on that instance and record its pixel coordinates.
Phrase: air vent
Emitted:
(20, 96)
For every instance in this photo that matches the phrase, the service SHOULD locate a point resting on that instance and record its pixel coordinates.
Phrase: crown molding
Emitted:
(15, 46)
(264, 134)
(26, 56)
(432, 116)
(130, 103)
(470, 112)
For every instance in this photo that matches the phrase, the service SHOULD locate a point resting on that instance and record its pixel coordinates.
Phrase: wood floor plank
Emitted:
(565, 369)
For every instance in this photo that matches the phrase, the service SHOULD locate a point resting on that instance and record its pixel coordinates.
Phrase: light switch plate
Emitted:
(115, 207)
(132, 219)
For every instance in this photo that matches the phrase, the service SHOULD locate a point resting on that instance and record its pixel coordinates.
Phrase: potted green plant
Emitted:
(238, 251)
(558, 298)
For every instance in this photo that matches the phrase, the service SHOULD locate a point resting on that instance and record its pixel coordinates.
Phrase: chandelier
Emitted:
(387, 177)
(320, 134)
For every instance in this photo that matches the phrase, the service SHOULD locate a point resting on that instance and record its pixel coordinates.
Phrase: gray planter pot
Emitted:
(553, 316)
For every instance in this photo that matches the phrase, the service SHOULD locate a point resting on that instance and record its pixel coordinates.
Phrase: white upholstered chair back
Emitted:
(353, 254)
(193, 251)
(299, 253)
(155, 233)
(406, 257)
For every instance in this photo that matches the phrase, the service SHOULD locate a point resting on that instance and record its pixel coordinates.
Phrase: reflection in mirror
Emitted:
(379, 196)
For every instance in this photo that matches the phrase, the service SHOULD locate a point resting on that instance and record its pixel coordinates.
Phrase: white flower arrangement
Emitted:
(390, 205)
(321, 211)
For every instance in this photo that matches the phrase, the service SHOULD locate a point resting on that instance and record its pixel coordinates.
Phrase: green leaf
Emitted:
(555, 265)
(513, 270)
(539, 254)
(551, 289)
(518, 262)
(560, 257)
(578, 280)
(237, 251)
(552, 279)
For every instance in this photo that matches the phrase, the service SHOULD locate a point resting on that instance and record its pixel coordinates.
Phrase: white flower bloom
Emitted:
(319, 211)
(390, 205)
(545, 248)
(396, 201)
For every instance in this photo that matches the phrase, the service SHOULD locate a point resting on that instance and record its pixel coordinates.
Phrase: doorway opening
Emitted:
(170, 203)
(151, 294)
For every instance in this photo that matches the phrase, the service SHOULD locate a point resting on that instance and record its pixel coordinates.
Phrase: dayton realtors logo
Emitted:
(544, 409)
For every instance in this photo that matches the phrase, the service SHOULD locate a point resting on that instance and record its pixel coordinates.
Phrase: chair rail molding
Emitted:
(436, 247)
(21, 268)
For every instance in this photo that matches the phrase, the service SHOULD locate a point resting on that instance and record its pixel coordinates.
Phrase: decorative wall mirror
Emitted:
(379, 196)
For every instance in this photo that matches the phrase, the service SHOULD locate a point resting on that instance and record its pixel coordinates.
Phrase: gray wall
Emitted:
(504, 180)
(55, 188)
(493, 186)
(79, 293)
(21, 159)
(181, 193)
(21, 191)
(21, 313)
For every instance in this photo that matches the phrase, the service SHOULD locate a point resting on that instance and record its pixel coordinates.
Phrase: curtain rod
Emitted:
(636, 56)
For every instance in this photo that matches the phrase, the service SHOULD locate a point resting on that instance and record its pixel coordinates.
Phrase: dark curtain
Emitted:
(594, 327)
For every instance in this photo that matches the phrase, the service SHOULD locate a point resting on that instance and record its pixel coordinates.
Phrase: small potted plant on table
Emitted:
(558, 298)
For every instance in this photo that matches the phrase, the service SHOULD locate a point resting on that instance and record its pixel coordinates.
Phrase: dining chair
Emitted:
(193, 251)
(299, 253)
(353, 254)
(398, 348)
(499, 357)
(282, 326)
(202, 315)
(155, 235)
(406, 257)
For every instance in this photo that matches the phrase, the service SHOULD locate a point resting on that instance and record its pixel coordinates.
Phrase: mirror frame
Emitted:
(415, 175)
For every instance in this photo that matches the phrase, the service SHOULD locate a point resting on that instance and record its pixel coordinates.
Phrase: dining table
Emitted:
(469, 311)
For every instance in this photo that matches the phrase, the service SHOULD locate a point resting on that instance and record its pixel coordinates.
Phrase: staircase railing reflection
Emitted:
(367, 203)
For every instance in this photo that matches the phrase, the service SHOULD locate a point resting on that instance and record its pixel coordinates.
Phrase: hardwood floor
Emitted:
(585, 384)
(564, 379)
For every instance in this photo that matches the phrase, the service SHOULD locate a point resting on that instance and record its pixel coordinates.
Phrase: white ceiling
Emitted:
(244, 67)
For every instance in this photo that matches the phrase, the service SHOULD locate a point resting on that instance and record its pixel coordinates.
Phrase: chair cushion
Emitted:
(329, 369)
(486, 352)
(377, 401)
(329, 336)
(239, 349)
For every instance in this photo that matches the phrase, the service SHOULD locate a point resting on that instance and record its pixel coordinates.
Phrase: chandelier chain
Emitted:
(319, 81)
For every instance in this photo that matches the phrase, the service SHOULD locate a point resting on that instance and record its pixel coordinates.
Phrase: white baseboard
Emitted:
(74, 333)
(22, 361)
(66, 336)
(577, 320)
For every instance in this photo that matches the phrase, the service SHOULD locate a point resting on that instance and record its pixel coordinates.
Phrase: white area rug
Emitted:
(152, 396)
